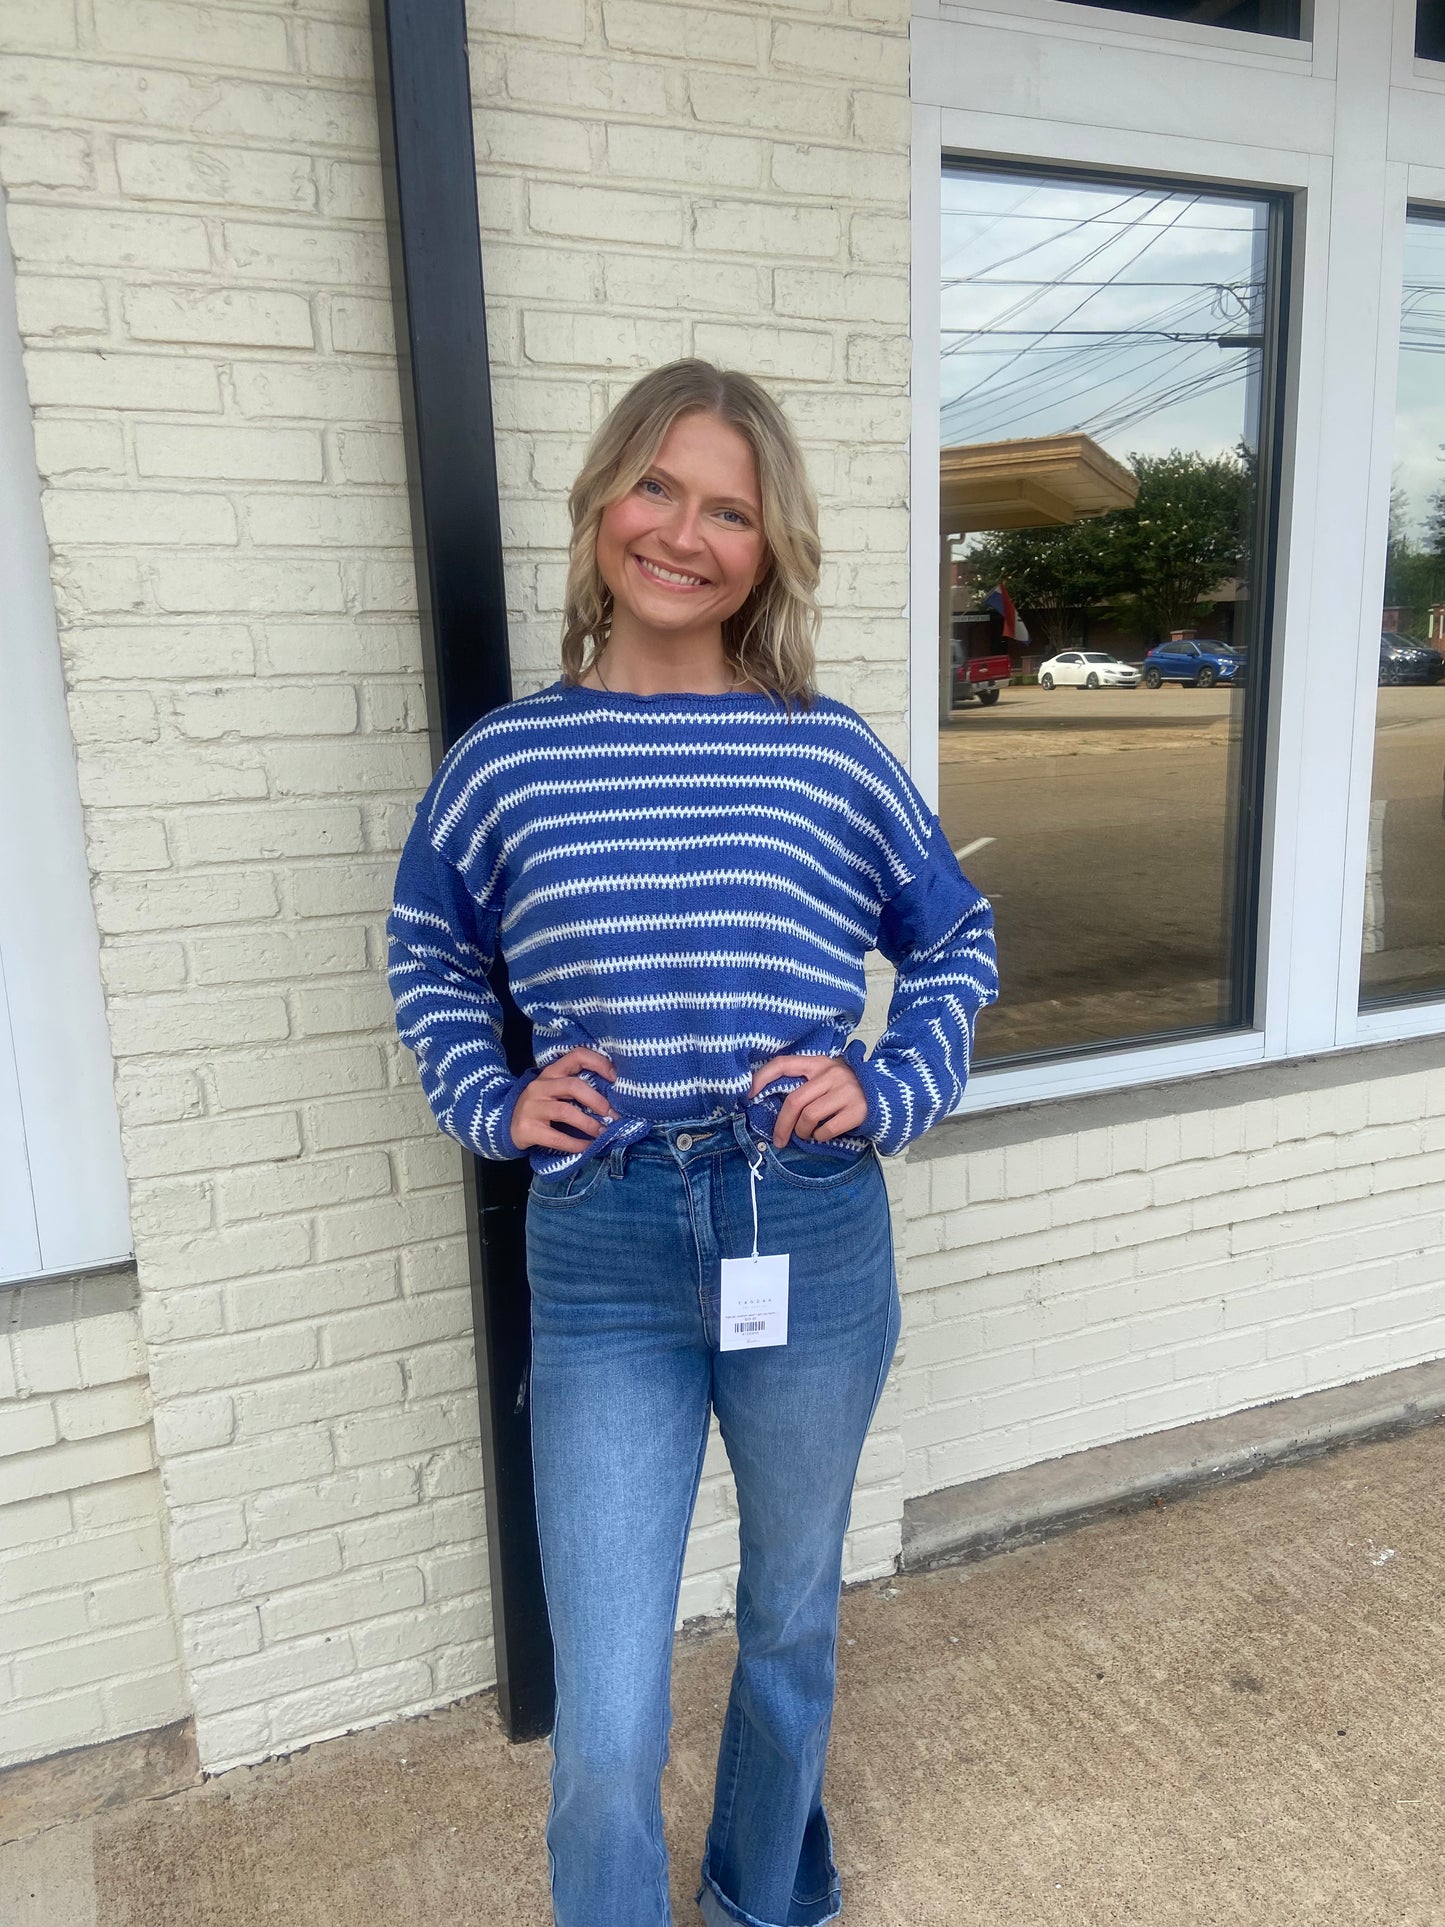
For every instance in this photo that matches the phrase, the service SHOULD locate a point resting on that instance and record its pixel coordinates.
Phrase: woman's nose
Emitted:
(684, 529)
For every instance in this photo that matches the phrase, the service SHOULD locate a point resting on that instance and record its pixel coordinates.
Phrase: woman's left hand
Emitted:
(829, 1105)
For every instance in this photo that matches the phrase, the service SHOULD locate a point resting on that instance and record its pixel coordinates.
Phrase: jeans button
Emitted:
(684, 1143)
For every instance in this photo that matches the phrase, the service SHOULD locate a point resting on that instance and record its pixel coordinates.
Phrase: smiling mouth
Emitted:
(670, 578)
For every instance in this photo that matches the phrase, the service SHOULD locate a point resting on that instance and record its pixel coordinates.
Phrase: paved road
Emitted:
(1109, 859)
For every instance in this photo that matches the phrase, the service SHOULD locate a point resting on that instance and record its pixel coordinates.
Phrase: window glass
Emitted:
(1430, 29)
(1404, 933)
(1280, 17)
(1103, 390)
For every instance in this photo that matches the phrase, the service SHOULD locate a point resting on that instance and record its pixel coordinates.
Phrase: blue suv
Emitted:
(1199, 664)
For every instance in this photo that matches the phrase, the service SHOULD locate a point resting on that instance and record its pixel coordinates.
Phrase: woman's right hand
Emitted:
(557, 1096)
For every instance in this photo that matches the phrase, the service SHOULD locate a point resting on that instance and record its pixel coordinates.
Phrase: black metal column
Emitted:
(424, 106)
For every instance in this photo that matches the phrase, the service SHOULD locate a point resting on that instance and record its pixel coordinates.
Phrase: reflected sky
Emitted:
(1420, 411)
(1122, 312)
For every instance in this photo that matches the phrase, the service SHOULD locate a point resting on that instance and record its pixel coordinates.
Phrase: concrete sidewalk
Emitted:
(1221, 1712)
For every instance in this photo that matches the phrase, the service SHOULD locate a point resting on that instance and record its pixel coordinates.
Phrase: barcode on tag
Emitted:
(750, 1325)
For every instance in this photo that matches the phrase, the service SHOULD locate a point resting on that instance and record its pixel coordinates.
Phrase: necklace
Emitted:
(614, 692)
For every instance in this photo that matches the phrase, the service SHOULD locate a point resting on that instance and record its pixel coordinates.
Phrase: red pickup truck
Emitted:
(981, 666)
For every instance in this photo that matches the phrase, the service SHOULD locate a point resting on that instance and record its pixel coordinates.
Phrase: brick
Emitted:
(239, 835)
(162, 1024)
(604, 214)
(399, 1326)
(143, 653)
(356, 1598)
(66, 448)
(320, 1395)
(169, 903)
(289, 955)
(70, 1466)
(256, 710)
(338, 1500)
(26, 1427)
(533, 140)
(360, 456)
(601, 341)
(269, 1674)
(686, 33)
(761, 227)
(839, 174)
(328, 392)
(45, 157)
(97, 1410)
(253, 1575)
(195, 1424)
(881, 121)
(210, 1143)
(136, 516)
(228, 1634)
(256, 1303)
(789, 353)
(210, 1257)
(323, 520)
(336, 51)
(36, 1731)
(843, 51)
(252, 583)
(412, 1433)
(239, 1469)
(58, 305)
(537, 19)
(308, 252)
(611, 87)
(39, 24)
(776, 107)
(361, 326)
(284, 1076)
(116, 716)
(709, 161)
(348, 766)
(339, 1009)
(225, 316)
(165, 30)
(351, 190)
(673, 283)
(221, 176)
(142, 967)
(815, 294)
(106, 237)
(76, 378)
(407, 1635)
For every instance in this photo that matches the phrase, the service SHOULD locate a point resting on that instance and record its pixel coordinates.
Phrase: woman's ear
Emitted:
(764, 569)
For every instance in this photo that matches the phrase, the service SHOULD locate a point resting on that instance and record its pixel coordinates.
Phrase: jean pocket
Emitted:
(799, 1164)
(572, 1186)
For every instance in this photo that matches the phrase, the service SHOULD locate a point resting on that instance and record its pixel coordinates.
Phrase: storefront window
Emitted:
(1104, 584)
(1404, 933)
(1280, 17)
(1430, 29)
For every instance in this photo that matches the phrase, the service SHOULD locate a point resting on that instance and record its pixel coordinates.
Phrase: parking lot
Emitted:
(1098, 822)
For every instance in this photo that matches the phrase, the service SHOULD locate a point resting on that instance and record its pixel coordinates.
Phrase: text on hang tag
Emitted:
(754, 1302)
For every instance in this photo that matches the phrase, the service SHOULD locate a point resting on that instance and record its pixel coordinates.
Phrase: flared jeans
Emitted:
(623, 1256)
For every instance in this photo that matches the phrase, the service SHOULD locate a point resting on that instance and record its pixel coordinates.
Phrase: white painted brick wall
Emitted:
(195, 210)
(1077, 1290)
(88, 1647)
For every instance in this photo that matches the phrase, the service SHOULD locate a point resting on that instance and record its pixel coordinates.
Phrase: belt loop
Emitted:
(618, 1158)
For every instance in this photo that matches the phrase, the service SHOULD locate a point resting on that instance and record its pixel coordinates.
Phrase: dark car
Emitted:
(1199, 664)
(1404, 661)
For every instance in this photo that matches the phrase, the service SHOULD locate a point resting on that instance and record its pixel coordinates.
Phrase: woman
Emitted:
(684, 872)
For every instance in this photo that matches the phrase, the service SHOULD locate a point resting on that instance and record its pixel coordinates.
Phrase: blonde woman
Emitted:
(685, 854)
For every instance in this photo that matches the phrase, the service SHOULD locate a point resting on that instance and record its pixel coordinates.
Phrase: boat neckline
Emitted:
(586, 691)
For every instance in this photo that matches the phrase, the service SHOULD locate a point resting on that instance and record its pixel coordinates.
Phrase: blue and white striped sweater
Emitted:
(689, 884)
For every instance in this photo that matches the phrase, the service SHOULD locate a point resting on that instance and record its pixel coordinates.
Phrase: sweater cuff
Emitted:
(500, 1132)
(856, 1058)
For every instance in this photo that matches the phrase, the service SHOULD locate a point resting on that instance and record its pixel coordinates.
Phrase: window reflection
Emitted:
(1430, 29)
(1100, 595)
(1281, 17)
(1404, 933)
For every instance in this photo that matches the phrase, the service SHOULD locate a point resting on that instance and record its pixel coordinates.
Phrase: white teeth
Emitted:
(671, 575)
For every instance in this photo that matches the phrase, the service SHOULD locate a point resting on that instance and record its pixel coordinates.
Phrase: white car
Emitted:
(1087, 669)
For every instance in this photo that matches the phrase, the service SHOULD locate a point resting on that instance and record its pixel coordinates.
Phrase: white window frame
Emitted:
(1350, 117)
(63, 1200)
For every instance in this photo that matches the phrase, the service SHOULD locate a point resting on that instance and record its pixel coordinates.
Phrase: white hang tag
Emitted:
(754, 1302)
(754, 1309)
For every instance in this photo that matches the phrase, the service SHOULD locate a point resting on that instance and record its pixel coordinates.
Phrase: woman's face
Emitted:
(683, 549)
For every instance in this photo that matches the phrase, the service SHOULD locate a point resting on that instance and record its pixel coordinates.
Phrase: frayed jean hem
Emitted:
(718, 1911)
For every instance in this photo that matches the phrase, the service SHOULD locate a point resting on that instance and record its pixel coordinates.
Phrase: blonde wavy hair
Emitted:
(771, 639)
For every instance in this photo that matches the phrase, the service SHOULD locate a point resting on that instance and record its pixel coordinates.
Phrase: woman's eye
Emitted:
(741, 520)
(649, 482)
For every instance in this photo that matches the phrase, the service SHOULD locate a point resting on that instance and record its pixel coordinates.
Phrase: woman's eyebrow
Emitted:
(734, 501)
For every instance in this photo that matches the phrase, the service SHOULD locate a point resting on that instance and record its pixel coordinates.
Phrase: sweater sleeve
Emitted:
(937, 931)
(441, 941)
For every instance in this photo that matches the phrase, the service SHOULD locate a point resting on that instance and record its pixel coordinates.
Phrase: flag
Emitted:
(1003, 603)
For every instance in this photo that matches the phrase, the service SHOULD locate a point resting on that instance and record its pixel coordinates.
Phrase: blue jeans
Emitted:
(623, 1257)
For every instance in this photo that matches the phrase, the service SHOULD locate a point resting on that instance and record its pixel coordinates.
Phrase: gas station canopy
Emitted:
(1041, 481)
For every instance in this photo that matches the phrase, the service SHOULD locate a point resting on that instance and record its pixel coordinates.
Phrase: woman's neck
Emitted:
(627, 670)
